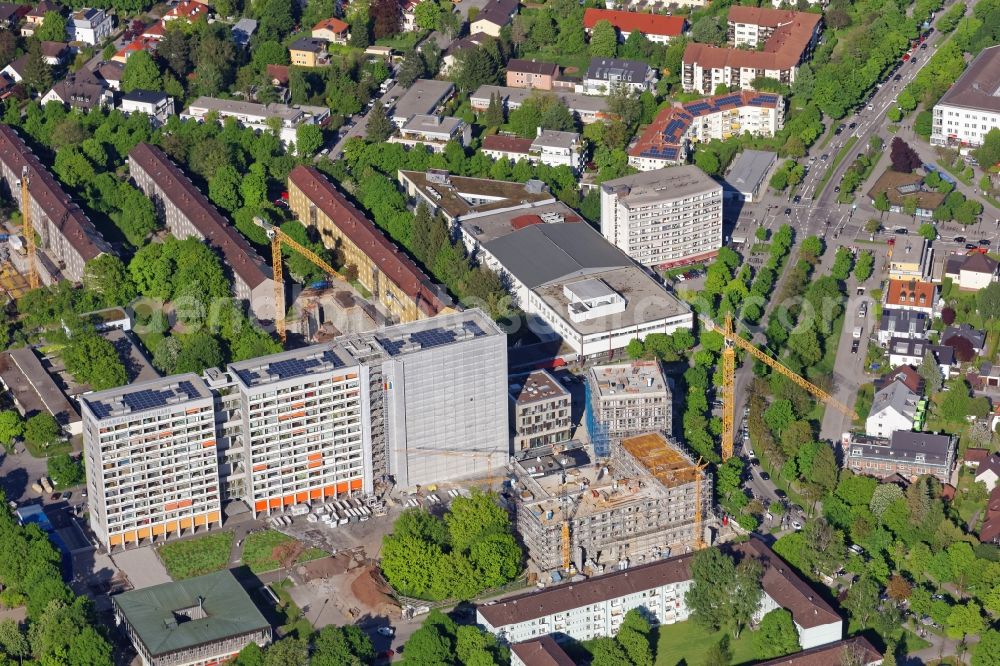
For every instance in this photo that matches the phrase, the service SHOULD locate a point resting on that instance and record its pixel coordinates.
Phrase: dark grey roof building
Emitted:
(909, 454)
(606, 73)
(905, 324)
(200, 620)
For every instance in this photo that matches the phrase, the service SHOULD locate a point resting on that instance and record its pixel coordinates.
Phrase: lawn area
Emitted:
(581, 61)
(46, 450)
(403, 42)
(259, 551)
(195, 557)
(689, 643)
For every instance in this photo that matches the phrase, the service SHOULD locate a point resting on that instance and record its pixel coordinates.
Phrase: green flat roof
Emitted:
(167, 617)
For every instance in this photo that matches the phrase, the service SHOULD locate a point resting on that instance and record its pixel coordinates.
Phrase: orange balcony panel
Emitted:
(201, 519)
(318, 455)
(313, 464)
(208, 444)
(186, 523)
(316, 493)
(260, 468)
(159, 529)
(171, 526)
(275, 502)
(301, 497)
(115, 539)
(288, 499)
(193, 410)
(184, 503)
(129, 536)
(214, 516)
(144, 533)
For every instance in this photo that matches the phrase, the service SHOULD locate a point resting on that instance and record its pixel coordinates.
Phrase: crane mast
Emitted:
(29, 230)
(732, 340)
(279, 238)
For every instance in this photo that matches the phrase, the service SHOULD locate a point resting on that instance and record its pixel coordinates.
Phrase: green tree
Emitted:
(427, 15)
(881, 203)
(497, 559)
(53, 28)
(93, 360)
(988, 153)
(776, 636)
(342, 646)
(141, 73)
(603, 40)
(308, 140)
(634, 638)
(865, 265)
(708, 30)
(987, 650)
(966, 619)
(198, 352)
(11, 427)
(930, 371)
(928, 231)
(842, 264)
(473, 518)
(275, 19)
(37, 73)
(430, 644)
(380, 127)
(988, 300)
(224, 188)
(42, 429)
(721, 592)
(12, 641)
(608, 652)
(493, 116)
(65, 471)
(287, 652)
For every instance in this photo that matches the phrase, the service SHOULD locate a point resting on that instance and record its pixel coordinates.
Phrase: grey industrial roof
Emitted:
(143, 396)
(749, 169)
(629, 71)
(540, 254)
(33, 388)
(979, 86)
(155, 613)
(424, 96)
(675, 182)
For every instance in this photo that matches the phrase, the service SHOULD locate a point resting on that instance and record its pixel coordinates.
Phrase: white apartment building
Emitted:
(763, 42)
(665, 217)
(303, 413)
(157, 105)
(971, 107)
(433, 131)
(150, 455)
(549, 147)
(90, 26)
(606, 74)
(667, 140)
(893, 408)
(595, 607)
(259, 116)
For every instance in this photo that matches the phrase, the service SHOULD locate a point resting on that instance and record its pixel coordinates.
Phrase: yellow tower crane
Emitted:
(729, 389)
(29, 230)
(279, 238)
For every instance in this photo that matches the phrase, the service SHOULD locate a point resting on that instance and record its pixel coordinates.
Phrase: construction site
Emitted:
(650, 500)
(626, 399)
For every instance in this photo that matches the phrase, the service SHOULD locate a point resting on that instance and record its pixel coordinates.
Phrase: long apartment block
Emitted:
(410, 404)
(596, 607)
(188, 213)
(396, 283)
(151, 459)
(68, 238)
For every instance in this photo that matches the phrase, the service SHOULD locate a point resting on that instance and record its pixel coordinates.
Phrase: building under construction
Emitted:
(626, 399)
(651, 499)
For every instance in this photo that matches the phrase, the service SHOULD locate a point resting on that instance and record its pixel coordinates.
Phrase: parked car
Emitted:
(959, 239)
(824, 157)
(788, 211)
(902, 231)
(985, 242)
(855, 345)
(765, 476)
(386, 631)
(796, 525)
(797, 199)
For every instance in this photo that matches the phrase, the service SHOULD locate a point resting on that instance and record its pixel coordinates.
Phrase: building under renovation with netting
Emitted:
(649, 500)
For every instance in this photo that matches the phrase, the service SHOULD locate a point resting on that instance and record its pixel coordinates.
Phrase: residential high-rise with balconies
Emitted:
(303, 432)
(664, 217)
(417, 403)
(151, 459)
